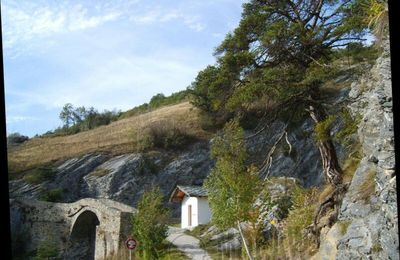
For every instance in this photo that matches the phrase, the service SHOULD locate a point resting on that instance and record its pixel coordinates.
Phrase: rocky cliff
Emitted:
(368, 220)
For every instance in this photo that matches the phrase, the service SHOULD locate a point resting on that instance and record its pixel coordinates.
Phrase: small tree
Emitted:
(16, 138)
(149, 224)
(66, 114)
(232, 186)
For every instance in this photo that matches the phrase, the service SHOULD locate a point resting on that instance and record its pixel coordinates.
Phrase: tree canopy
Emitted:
(278, 57)
(275, 51)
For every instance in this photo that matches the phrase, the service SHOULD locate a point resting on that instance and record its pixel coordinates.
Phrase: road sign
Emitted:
(131, 243)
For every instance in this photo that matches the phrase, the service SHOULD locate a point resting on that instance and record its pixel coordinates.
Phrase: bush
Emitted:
(294, 242)
(53, 195)
(40, 175)
(47, 250)
(163, 134)
(16, 138)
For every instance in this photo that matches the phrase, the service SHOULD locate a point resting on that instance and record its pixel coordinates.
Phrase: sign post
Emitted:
(131, 244)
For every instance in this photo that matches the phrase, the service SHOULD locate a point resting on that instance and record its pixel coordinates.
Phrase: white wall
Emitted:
(201, 213)
(204, 211)
(184, 214)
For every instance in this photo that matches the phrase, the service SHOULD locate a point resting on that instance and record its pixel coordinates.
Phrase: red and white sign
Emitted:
(131, 243)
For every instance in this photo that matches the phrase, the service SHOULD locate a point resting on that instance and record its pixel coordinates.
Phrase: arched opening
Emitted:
(83, 236)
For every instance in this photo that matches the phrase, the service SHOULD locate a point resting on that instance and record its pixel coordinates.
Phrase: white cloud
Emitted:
(23, 22)
(194, 23)
(17, 118)
(162, 15)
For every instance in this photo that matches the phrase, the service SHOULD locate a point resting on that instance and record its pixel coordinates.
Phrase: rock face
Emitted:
(122, 178)
(368, 218)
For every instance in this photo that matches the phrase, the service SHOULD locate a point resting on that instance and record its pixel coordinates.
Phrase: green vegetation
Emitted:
(53, 195)
(277, 56)
(277, 61)
(81, 119)
(323, 128)
(343, 226)
(16, 138)
(149, 224)
(377, 17)
(198, 230)
(163, 134)
(156, 101)
(294, 242)
(232, 186)
(349, 126)
(40, 175)
(376, 247)
(47, 250)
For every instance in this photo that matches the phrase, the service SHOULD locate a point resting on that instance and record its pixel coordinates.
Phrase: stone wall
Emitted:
(36, 221)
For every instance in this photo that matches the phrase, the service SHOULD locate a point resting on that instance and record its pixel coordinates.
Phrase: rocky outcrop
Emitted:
(122, 178)
(368, 220)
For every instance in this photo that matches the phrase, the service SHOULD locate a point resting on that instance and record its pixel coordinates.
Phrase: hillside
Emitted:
(119, 137)
(302, 166)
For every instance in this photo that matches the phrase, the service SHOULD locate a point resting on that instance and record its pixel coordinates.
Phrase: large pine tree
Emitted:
(279, 52)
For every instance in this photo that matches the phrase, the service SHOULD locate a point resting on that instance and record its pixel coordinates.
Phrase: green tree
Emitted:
(280, 54)
(67, 114)
(149, 223)
(232, 186)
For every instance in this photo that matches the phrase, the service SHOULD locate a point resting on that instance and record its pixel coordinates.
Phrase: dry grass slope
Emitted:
(117, 138)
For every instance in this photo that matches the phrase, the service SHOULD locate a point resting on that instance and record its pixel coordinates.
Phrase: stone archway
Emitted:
(82, 241)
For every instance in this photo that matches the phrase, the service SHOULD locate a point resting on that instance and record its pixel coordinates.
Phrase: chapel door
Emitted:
(190, 215)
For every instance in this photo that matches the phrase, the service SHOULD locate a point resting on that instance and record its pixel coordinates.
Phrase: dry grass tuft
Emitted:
(100, 172)
(367, 188)
(118, 137)
(327, 190)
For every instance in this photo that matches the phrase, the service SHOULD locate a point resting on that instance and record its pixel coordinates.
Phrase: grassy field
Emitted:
(119, 137)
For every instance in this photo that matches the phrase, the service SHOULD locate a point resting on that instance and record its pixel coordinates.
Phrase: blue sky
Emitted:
(110, 54)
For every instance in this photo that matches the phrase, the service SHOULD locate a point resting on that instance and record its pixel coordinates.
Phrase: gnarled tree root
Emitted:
(329, 208)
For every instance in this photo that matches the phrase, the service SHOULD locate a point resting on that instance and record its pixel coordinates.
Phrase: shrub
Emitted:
(163, 134)
(40, 175)
(53, 195)
(16, 138)
(47, 250)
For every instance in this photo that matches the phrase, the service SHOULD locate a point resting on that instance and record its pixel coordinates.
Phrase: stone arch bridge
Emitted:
(85, 229)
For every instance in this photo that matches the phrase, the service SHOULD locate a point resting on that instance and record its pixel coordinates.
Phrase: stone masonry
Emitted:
(86, 229)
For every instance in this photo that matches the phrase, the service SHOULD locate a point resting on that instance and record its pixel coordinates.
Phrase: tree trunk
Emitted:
(244, 241)
(330, 164)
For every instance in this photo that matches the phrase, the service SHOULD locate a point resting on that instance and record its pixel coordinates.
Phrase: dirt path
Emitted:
(187, 244)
